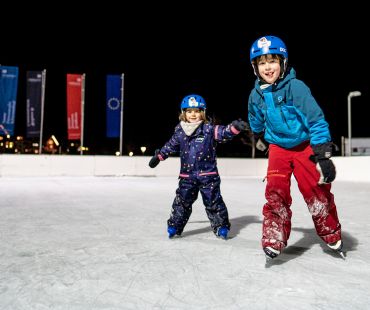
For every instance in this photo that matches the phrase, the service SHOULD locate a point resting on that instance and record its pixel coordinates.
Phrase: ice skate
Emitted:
(337, 247)
(171, 231)
(270, 253)
(222, 232)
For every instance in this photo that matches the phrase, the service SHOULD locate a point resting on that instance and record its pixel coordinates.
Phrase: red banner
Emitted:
(74, 105)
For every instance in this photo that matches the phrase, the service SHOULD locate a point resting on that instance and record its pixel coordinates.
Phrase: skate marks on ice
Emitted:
(294, 250)
(308, 239)
(307, 242)
(237, 225)
(240, 223)
(101, 243)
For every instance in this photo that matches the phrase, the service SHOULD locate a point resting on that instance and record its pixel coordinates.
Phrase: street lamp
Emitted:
(350, 95)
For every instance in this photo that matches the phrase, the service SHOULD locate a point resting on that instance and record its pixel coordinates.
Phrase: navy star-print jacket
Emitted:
(198, 151)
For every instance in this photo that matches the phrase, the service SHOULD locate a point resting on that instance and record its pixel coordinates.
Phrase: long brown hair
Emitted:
(182, 116)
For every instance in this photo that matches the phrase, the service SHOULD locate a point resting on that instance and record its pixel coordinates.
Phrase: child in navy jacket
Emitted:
(195, 140)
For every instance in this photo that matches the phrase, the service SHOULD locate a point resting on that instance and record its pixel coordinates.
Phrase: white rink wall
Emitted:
(353, 168)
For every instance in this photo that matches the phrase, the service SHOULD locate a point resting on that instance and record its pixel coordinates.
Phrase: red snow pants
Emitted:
(282, 163)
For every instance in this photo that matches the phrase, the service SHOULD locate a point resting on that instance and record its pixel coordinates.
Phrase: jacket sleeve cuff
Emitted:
(234, 130)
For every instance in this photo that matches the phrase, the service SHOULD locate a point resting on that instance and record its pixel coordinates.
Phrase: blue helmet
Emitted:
(193, 101)
(268, 45)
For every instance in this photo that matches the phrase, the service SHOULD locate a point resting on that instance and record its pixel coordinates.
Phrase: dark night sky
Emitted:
(167, 53)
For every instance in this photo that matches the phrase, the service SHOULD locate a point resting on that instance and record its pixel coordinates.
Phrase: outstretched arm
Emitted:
(171, 147)
(225, 133)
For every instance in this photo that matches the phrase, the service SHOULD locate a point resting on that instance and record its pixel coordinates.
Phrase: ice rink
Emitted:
(101, 243)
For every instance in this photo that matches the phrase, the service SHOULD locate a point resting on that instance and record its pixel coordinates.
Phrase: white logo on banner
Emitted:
(113, 103)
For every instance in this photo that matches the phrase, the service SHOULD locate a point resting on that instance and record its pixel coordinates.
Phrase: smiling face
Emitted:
(269, 68)
(193, 115)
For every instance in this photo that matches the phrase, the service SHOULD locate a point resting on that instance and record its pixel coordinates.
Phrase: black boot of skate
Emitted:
(270, 253)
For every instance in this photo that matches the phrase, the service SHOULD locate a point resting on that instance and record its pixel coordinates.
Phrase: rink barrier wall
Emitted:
(355, 168)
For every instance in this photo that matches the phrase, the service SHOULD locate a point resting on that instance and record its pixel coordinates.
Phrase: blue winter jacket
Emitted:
(287, 112)
(198, 151)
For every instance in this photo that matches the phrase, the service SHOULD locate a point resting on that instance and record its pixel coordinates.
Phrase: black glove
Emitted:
(154, 161)
(241, 125)
(324, 165)
(261, 144)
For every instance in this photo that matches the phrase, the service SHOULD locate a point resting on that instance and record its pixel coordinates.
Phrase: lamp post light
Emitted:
(349, 98)
(143, 149)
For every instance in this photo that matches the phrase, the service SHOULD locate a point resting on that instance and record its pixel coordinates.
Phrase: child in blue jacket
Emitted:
(195, 140)
(282, 109)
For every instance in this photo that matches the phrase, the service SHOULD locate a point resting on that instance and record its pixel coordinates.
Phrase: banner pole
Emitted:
(43, 81)
(82, 113)
(121, 119)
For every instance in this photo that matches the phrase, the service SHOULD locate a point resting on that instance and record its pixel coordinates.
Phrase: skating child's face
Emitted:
(193, 115)
(269, 68)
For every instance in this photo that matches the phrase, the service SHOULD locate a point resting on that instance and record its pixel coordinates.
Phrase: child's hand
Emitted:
(154, 161)
(241, 125)
(324, 165)
(327, 171)
(261, 144)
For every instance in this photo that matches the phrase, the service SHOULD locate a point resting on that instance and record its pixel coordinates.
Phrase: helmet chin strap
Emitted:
(255, 70)
(284, 67)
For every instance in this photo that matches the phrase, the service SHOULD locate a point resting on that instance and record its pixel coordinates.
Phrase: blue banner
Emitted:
(8, 98)
(113, 105)
(33, 107)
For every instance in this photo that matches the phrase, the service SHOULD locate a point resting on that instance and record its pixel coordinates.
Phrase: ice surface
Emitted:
(101, 243)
